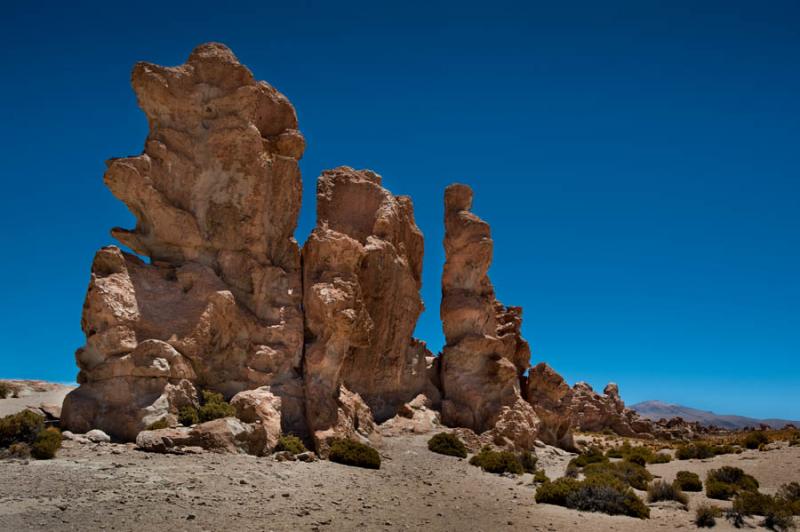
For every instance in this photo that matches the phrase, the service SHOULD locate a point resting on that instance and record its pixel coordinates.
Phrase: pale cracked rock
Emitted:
(485, 357)
(225, 435)
(216, 194)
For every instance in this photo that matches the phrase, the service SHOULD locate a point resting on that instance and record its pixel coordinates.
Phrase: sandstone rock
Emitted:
(97, 436)
(225, 435)
(362, 269)
(414, 417)
(485, 356)
(51, 412)
(261, 407)
(216, 194)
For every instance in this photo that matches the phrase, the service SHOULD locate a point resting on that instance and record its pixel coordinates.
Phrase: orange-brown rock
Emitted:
(485, 356)
(362, 269)
(216, 194)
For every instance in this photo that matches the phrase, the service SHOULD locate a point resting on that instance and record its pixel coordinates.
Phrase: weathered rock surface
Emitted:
(485, 356)
(224, 435)
(362, 268)
(415, 417)
(216, 195)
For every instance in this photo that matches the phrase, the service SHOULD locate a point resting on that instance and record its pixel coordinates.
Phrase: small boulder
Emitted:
(98, 436)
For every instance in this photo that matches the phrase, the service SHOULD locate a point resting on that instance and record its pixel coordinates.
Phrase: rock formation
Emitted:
(362, 268)
(216, 195)
(483, 362)
(218, 296)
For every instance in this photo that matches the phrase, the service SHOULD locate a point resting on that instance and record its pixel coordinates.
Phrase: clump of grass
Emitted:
(540, 477)
(497, 461)
(46, 444)
(159, 424)
(19, 450)
(706, 515)
(789, 495)
(188, 416)
(592, 455)
(447, 444)
(629, 473)
(607, 495)
(22, 427)
(290, 443)
(349, 452)
(688, 481)
(661, 490)
(639, 455)
(702, 450)
(727, 481)
(214, 407)
(755, 439)
(528, 461)
(5, 390)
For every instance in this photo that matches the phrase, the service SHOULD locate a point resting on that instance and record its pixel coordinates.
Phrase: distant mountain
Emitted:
(656, 410)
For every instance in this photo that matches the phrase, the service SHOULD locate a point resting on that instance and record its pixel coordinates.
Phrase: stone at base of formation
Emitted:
(317, 343)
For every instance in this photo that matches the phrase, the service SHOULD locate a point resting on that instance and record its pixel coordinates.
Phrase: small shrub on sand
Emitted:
(702, 450)
(752, 503)
(688, 481)
(214, 407)
(188, 416)
(528, 461)
(629, 473)
(727, 481)
(596, 494)
(159, 424)
(5, 390)
(46, 444)
(20, 427)
(291, 444)
(706, 515)
(497, 461)
(661, 490)
(19, 450)
(540, 477)
(789, 495)
(354, 453)
(779, 519)
(447, 444)
(755, 439)
(592, 455)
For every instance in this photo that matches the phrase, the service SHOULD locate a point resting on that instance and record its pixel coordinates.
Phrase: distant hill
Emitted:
(656, 410)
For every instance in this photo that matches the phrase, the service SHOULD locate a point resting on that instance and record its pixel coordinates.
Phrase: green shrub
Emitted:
(660, 458)
(159, 424)
(540, 477)
(688, 481)
(629, 473)
(755, 439)
(614, 498)
(528, 461)
(447, 444)
(557, 491)
(497, 461)
(20, 427)
(789, 495)
(592, 455)
(727, 481)
(46, 444)
(778, 519)
(19, 450)
(188, 416)
(752, 503)
(661, 490)
(706, 515)
(353, 453)
(5, 390)
(291, 444)
(214, 407)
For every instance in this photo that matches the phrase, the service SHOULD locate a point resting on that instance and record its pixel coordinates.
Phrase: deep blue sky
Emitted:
(639, 163)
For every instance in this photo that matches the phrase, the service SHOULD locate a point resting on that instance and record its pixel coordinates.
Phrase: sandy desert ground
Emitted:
(115, 487)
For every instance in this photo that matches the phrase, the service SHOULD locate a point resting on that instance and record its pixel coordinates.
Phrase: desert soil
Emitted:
(115, 487)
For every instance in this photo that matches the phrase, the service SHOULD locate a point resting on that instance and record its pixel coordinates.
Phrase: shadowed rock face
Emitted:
(362, 267)
(216, 194)
(485, 356)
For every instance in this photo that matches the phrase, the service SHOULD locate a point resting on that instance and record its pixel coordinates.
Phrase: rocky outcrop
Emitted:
(362, 269)
(225, 435)
(485, 357)
(216, 195)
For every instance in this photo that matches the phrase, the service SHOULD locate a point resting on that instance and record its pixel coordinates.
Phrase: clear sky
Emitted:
(639, 163)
